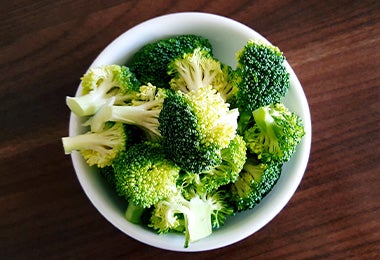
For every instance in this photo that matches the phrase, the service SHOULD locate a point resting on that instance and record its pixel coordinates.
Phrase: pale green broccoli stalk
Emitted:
(143, 176)
(195, 127)
(261, 78)
(233, 158)
(142, 111)
(99, 84)
(151, 61)
(99, 148)
(275, 134)
(255, 181)
(195, 216)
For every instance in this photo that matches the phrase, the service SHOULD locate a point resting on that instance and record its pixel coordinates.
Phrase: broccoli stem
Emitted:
(86, 141)
(134, 213)
(86, 105)
(198, 220)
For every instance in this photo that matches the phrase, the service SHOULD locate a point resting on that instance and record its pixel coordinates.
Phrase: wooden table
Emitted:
(334, 47)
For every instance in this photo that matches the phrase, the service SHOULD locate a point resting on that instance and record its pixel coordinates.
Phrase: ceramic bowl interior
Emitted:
(227, 37)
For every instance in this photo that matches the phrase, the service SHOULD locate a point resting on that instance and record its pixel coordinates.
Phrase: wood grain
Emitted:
(333, 46)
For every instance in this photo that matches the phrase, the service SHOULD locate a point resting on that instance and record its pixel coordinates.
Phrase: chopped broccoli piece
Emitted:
(99, 148)
(232, 160)
(261, 78)
(275, 134)
(142, 111)
(195, 127)
(255, 181)
(144, 176)
(99, 85)
(198, 69)
(195, 216)
(150, 63)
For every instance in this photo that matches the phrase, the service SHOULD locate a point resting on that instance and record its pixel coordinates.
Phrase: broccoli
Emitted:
(195, 216)
(143, 176)
(232, 160)
(261, 78)
(142, 111)
(99, 148)
(275, 134)
(101, 83)
(198, 69)
(151, 61)
(195, 127)
(255, 181)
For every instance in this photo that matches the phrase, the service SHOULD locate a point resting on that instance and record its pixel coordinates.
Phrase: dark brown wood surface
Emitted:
(333, 46)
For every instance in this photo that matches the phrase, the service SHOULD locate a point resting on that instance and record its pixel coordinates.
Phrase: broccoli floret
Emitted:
(99, 148)
(261, 78)
(99, 85)
(198, 69)
(144, 176)
(195, 127)
(232, 160)
(195, 216)
(255, 181)
(275, 134)
(142, 111)
(151, 61)
(226, 84)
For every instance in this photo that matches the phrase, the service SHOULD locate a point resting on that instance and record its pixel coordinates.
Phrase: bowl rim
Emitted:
(263, 213)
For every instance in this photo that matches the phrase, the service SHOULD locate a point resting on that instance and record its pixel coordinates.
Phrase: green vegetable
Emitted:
(151, 61)
(195, 216)
(261, 78)
(99, 85)
(195, 127)
(255, 181)
(196, 141)
(99, 148)
(233, 158)
(142, 111)
(144, 176)
(275, 134)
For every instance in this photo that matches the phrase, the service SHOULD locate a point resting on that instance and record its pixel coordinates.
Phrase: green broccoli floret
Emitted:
(261, 78)
(99, 148)
(195, 127)
(99, 85)
(255, 181)
(275, 134)
(195, 216)
(151, 61)
(196, 69)
(144, 176)
(232, 160)
(142, 111)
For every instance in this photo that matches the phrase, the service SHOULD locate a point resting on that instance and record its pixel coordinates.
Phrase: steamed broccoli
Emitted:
(275, 134)
(99, 148)
(255, 181)
(195, 127)
(151, 61)
(99, 85)
(142, 111)
(232, 160)
(261, 78)
(195, 216)
(144, 176)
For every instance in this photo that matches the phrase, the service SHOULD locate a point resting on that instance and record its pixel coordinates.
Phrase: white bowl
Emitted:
(227, 37)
